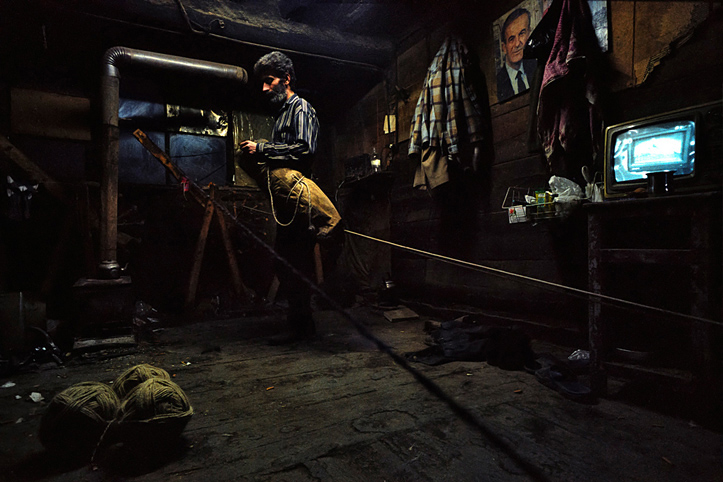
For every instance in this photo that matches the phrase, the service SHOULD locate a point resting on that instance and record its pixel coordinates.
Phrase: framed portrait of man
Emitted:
(511, 31)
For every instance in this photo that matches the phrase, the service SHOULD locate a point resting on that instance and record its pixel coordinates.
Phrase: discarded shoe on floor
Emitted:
(564, 381)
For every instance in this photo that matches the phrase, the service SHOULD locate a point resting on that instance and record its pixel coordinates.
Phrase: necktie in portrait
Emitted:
(520, 83)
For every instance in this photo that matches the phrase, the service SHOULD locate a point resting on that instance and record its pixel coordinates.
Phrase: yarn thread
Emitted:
(151, 408)
(78, 416)
(136, 375)
(155, 399)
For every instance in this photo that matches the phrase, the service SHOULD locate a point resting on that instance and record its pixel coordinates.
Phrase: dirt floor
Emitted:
(336, 408)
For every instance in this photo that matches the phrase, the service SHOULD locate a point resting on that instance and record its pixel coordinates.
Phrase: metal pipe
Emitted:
(113, 59)
(193, 30)
(263, 45)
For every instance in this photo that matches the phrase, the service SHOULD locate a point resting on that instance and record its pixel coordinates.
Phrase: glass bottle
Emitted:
(375, 161)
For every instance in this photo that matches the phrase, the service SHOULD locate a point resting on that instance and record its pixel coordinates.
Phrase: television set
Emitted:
(686, 143)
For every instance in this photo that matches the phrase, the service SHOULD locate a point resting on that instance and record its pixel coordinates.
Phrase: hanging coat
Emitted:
(447, 114)
(569, 112)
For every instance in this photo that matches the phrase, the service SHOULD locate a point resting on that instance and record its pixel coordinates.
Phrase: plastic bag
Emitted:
(567, 191)
(579, 355)
(593, 191)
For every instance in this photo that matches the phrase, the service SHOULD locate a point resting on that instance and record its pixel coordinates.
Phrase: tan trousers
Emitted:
(295, 195)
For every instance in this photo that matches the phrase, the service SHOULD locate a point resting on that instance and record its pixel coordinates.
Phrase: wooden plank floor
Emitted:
(338, 409)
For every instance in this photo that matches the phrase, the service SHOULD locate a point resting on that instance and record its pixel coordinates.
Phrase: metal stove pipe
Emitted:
(113, 59)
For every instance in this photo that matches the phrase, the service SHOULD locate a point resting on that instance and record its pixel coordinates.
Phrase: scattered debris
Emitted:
(432, 325)
(8, 385)
(36, 397)
(94, 343)
(400, 314)
(48, 351)
(146, 325)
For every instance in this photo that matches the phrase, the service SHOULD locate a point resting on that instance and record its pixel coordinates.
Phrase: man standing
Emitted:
(303, 213)
(516, 75)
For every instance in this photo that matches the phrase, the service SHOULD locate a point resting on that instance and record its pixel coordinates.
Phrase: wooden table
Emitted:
(676, 240)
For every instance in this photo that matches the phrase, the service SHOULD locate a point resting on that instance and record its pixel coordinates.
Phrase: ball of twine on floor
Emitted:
(77, 418)
(155, 409)
(136, 375)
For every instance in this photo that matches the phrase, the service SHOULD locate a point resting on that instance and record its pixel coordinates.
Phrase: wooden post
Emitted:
(273, 290)
(235, 274)
(596, 323)
(198, 256)
(32, 170)
(318, 265)
(209, 201)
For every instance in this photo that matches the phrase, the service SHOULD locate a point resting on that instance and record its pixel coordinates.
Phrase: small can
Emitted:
(540, 197)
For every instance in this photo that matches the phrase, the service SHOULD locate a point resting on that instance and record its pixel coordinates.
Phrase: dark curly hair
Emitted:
(276, 64)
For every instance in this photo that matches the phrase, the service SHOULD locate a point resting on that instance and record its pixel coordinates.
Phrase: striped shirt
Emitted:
(293, 138)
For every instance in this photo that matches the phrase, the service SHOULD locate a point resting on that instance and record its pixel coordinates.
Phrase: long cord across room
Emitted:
(577, 292)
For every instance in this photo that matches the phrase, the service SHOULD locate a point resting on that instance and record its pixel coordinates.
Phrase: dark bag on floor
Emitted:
(464, 339)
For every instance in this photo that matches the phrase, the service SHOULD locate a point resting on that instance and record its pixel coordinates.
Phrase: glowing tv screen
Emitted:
(668, 146)
(686, 142)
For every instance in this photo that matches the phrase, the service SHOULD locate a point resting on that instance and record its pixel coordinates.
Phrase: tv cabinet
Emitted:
(665, 253)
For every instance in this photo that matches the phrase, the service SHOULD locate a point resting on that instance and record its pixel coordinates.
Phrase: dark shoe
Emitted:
(563, 381)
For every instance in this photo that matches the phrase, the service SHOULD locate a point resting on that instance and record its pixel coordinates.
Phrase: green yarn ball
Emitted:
(136, 375)
(77, 417)
(156, 409)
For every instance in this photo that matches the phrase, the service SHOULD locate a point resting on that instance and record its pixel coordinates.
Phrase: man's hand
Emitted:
(249, 147)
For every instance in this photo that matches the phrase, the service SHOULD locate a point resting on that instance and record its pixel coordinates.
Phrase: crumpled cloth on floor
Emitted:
(464, 339)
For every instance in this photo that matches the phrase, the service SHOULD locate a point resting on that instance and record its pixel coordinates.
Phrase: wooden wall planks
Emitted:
(556, 251)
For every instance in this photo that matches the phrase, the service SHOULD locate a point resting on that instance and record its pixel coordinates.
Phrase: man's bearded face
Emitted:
(274, 89)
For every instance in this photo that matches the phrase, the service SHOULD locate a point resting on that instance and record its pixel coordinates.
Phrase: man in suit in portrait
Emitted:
(516, 74)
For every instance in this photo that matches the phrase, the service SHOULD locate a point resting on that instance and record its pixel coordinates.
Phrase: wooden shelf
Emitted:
(659, 251)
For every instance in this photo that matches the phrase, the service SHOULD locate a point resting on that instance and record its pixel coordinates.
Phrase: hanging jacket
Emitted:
(447, 112)
(569, 112)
